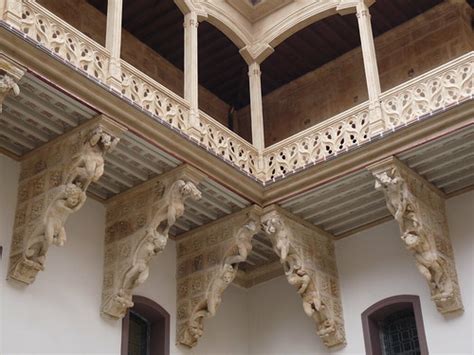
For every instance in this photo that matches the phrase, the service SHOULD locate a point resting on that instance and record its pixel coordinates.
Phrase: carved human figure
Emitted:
(275, 228)
(244, 243)
(87, 165)
(7, 85)
(67, 199)
(170, 211)
(217, 287)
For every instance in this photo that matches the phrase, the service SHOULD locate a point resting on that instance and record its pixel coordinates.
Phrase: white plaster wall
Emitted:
(59, 312)
(372, 265)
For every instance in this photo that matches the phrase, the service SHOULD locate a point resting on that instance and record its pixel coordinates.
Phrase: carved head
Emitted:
(411, 239)
(272, 225)
(228, 274)
(74, 195)
(384, 181)
(7, 83)
(188, 189)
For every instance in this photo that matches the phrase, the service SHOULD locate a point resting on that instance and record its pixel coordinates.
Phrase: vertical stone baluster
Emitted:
(113, 43)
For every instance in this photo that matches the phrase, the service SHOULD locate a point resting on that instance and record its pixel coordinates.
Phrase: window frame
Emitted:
(159, 320)
(380, 310)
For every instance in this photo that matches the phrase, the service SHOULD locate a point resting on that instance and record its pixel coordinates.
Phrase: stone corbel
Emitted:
(308, 258)
(10, 75)
(138, 222)
(53, 185)
(208, 260)
(419, 208)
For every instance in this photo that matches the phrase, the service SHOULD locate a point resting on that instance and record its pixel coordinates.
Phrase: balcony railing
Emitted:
(439, 89)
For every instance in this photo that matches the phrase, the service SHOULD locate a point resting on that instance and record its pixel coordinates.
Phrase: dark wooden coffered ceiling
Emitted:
(159, 24)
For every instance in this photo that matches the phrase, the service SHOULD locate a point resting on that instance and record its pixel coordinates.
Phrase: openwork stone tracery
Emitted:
(53, 185)
(208, 260)
(137, 227)
(308, 258)
(419, 209)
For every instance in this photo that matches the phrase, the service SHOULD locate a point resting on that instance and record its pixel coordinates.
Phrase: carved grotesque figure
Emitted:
(244, 243)
(276, 230)
(217, 287)
(67, 199)
(88, 165)
(8, 84)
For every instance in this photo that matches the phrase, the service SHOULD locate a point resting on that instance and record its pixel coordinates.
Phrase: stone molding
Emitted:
(138, 222)
(419, 208)
(208, 260)
(10, 74)
(53, 185)
(308, 258)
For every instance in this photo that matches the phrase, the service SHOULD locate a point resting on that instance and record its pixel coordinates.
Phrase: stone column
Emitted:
(137, 225)
(10, 75)
(256, 106)
(419, 208)
(370, 66)
(11, 12)
(113, 42)
(53, 185)
(191, 83)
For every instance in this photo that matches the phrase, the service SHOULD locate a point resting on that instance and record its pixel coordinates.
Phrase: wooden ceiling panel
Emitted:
(159, 24)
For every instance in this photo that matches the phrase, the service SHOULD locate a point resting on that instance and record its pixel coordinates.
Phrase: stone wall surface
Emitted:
(411, 49)
(92, 23)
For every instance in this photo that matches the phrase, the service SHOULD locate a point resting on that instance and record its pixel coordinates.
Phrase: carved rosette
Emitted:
(308, 258)
(208, 259)
(53, 184)
(10, 75)
(137, 227)
(419, 209)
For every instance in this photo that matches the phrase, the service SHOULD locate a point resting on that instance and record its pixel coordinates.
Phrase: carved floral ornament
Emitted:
(137, 228)
(208, 260)
(53, 185)
(419, 209)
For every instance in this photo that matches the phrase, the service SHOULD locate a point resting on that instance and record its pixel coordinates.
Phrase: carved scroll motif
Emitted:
(419, 210)
(53, 185)
(208, 261)
(138, 224)
(10, 75)
(309, 263)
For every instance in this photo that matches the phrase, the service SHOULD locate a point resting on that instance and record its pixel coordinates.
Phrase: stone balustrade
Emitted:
(432, 92)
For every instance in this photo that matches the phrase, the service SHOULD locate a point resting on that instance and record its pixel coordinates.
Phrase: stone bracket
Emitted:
(138, 222)
(53, 185)
(208, 260)
(308, 258)
(10, 74)
(419, 208)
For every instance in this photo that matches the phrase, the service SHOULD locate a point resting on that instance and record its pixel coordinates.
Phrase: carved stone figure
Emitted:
(416, 208)
(8, 84)
(275, 229)
(147, 242)
(244, 243)
(88, 164)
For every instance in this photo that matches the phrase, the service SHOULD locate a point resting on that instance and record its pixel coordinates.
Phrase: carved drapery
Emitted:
(10, 75)
(53, 185)
(419, 209)
(308, 258)
(137, 227)
(208, 260)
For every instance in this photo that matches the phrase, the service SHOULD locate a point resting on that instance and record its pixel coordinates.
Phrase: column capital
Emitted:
(191, 20)
(254, 69)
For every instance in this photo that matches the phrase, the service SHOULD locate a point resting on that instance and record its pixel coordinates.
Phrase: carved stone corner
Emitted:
(419, 209)
(309, 262)
(138, 223)
(10, 74)
(208, 260)
(53, 184)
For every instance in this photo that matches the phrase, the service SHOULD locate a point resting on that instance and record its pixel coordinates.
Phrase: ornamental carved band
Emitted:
(419, 209)
(53, 184)
(137, 227)
(10, 75)
(308, 258)
(208, 260)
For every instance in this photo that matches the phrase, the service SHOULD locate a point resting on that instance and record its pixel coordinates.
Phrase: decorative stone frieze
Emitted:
(10, 75)
(208, 259)
(419, 208)
(53, 185)
(138, 222)
(308, 258)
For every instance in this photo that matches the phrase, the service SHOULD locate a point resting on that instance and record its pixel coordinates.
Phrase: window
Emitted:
(146, 329)
(394, 326)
